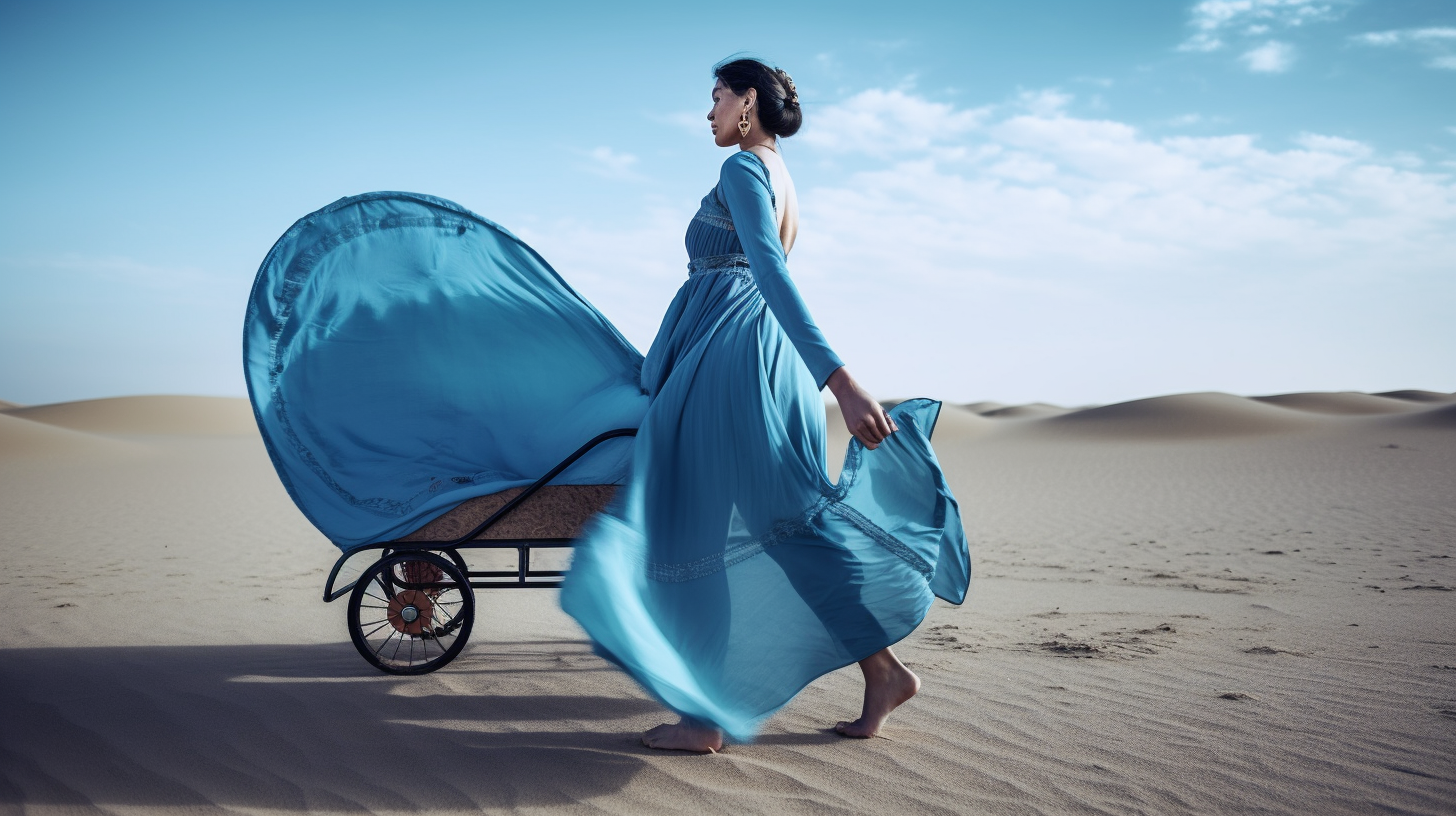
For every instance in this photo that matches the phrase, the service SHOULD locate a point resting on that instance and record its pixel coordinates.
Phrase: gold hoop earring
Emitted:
(744, 125)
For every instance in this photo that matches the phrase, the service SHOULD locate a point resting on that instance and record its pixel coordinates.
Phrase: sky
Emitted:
(1059, 201)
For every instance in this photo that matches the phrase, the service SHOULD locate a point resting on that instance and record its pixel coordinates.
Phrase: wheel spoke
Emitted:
(395, 655)
(395, 578)
(382, 644)
(381, 625)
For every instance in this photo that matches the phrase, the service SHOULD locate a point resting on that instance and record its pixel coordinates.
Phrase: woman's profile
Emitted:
(730, 572)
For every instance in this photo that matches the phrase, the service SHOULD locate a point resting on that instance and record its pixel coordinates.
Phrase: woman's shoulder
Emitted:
(743, 163)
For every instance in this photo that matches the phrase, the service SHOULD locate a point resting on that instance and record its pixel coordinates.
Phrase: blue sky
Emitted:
(1063, 201)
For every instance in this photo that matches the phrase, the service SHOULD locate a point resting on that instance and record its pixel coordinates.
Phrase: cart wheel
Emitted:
(411, 613)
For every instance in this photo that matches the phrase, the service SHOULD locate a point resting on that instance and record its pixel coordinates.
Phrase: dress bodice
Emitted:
(736, 231)
(711, 233)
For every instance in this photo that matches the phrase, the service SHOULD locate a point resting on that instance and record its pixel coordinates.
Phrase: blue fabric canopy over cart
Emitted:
(404, 354)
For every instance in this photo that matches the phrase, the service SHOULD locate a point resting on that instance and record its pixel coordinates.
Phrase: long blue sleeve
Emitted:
(744, 184)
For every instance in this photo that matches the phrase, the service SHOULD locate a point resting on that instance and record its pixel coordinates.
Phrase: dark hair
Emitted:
(778, 101)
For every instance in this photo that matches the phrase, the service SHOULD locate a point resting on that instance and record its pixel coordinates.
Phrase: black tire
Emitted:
(454, 555)
(411, 612)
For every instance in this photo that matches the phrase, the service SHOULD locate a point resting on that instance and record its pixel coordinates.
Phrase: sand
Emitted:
(1197, 603)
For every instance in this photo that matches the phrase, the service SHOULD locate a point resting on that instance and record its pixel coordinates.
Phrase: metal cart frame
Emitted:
(409, 579)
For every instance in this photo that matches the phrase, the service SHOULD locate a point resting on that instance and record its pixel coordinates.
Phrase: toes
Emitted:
(853, 730)
(849, 729)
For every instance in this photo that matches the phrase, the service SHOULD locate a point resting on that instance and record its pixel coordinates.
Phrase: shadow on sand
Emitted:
(309, 727)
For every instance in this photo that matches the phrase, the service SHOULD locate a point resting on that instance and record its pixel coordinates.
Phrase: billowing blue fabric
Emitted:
(403, 355)
(730, 572)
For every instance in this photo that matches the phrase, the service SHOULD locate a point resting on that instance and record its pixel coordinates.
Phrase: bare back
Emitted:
(786, 200)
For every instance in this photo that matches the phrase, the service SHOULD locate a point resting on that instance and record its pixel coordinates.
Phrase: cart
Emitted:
(391, 344)
(411, 611)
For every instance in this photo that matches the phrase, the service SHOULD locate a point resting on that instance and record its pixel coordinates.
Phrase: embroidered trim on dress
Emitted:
(712, 213)
(831, 501)
(883, 538)
(717, 562)
(709, 264)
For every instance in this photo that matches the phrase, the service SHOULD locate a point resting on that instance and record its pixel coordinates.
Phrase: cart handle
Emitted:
(540, 483)
(330, 594)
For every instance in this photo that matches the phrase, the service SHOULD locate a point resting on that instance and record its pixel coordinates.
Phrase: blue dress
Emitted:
(730, 572)
(403, 355)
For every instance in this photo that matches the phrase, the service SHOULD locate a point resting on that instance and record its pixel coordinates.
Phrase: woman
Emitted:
(730, 572)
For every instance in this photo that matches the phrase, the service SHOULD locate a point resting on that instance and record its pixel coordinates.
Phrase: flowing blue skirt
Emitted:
(731, 572)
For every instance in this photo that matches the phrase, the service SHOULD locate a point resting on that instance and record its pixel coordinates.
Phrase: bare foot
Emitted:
(684, 736)
(888, 683)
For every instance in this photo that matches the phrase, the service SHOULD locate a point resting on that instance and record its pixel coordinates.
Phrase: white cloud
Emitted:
(1378, 38)
(1072, 250)
(627, 272)
(1333, 144)
(883, 123)
(1045, 102)
(608, 163)
(1437, 41)
(1213, 19)
(1406, 35)
(1272, 57)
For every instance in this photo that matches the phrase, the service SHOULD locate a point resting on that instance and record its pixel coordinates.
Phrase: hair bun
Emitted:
(779, 112)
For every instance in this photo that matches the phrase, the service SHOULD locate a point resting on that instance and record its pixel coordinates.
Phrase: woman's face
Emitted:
(727, 112)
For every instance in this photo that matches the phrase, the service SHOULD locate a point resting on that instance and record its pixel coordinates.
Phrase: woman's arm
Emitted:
(866, 419)
(745, 186)
(745, 189)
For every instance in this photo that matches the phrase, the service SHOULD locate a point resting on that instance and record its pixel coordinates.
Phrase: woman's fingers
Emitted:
(873, 429)
(883, 424)
(865, 419)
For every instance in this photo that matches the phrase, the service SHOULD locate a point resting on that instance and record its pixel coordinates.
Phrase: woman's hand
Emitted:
(865, 419)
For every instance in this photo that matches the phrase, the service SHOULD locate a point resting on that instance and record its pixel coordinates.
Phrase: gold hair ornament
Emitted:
(792, 98)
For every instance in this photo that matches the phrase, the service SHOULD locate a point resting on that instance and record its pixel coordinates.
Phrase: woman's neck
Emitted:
(768, 143)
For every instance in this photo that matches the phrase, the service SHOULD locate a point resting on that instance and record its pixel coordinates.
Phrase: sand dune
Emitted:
(190, 416)
(1440, 417)
(1343, 402)
(958, 423)
(1031, 410)
(6, 405)
(983, 406)
(36, 440)
(1198, 603)
(1419, 396)
(1183, 416)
